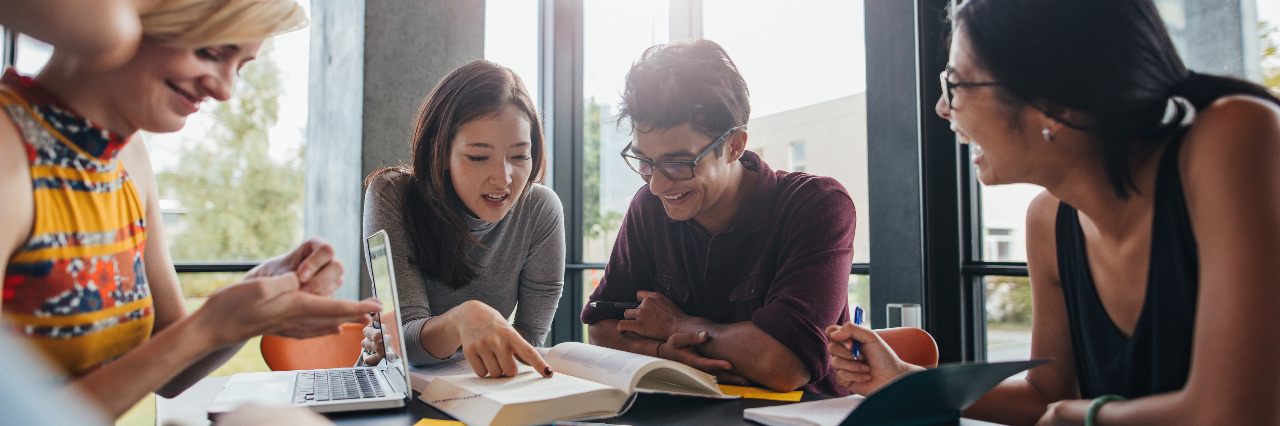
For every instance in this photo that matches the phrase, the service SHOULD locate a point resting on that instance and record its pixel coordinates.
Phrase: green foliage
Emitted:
(242, 204)
(1269, 40)
(595, 224)
(1008, 300)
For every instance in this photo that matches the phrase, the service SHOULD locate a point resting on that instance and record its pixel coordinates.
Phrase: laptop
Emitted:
(385, 385)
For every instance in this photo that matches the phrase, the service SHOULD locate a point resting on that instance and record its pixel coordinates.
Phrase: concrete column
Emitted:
(371, 65)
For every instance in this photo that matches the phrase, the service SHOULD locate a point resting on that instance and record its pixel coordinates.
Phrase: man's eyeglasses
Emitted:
(674, 170)
(949, 88)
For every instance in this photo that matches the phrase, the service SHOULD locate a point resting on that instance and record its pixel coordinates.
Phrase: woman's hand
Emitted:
(273, 305)
(491, 344)
(876, 365)
(1065, 412)
(313, 262)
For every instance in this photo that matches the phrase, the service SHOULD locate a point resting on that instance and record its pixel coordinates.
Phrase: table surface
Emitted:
(189, 409)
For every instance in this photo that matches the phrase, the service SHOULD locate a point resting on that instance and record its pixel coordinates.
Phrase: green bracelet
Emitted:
(1097, 404)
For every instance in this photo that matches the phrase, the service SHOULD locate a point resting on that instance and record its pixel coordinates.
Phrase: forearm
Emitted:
(605, 333)
(120, 384)
(1012, 402)
(199, 370)
(768, 363)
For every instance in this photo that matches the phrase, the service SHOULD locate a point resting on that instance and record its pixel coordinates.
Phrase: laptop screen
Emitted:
(379, 255)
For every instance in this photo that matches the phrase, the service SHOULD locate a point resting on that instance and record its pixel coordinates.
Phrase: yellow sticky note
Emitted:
(759, 393)
(434, 422)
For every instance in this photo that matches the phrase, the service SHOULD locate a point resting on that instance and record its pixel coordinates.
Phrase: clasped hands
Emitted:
(658, 318)
(290, 295)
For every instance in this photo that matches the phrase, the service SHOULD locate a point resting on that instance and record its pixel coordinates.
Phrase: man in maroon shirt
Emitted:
(737, 268)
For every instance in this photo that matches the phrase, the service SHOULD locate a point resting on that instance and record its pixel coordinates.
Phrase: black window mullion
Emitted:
(561, 87)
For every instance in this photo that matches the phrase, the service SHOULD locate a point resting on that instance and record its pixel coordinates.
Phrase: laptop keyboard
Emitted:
(334, 385)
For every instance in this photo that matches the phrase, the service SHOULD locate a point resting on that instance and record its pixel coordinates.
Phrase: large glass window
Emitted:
(511, 38)
(231, 181)
(615, 34)
(30, 55)
(805, 65)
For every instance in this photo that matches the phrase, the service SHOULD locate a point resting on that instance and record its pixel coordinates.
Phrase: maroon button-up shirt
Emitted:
(783, 263)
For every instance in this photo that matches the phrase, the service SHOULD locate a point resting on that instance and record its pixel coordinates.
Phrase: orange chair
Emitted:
(330, 351)
(913, 345)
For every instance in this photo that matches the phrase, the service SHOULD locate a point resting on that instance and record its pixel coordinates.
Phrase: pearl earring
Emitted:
(1048, 135)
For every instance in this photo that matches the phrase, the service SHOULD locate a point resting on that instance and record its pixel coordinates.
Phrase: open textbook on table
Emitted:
(589, 382)
(926, 397)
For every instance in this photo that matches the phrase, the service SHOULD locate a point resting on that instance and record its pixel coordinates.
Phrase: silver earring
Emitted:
(1048, 134)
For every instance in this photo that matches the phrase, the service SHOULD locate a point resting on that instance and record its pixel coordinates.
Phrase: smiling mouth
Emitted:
(677, 196)
(495, 198)
(184, 94)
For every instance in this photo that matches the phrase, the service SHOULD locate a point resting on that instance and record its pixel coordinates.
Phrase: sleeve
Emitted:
(809, 290)
(383, 209)
(542, 280)
(630, 266)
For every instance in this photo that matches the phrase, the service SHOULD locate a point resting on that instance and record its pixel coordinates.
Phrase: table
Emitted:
(189, 409)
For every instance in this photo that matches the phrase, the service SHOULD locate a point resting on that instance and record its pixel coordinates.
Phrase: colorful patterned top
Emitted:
(77, 288)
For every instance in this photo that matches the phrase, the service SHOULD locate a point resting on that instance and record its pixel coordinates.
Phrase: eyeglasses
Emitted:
(674, 170)
(949, 88)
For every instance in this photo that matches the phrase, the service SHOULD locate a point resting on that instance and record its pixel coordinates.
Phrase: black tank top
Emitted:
(1157, 357)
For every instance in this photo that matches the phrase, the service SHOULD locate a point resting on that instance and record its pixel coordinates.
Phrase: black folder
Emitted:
(934, 396)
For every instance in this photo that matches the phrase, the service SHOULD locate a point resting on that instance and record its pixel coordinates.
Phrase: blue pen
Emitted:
(857, 320)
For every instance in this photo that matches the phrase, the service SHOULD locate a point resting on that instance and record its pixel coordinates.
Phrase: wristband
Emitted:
(1096, 405)
(657, 352)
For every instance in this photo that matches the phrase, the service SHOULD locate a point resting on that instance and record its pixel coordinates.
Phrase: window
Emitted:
(231, 181)
(803, 98)
(511, 39)
(30, 55)
(797, 156)
(615, 34)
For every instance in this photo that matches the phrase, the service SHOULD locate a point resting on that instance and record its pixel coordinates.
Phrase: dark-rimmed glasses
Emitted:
(949, 88)
(674, 170)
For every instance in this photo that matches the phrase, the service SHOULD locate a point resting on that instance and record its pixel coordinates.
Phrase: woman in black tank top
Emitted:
(1151, 250)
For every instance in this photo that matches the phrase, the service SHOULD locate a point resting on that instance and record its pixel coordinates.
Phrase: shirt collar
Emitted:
(753, 214)
(754, 211)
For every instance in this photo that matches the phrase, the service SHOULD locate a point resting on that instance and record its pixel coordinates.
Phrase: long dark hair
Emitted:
(1112, 60)
(439, 235)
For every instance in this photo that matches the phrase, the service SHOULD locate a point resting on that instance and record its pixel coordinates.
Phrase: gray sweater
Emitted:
(521, 264)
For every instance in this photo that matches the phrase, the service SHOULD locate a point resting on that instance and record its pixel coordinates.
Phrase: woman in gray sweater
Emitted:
(473, 235)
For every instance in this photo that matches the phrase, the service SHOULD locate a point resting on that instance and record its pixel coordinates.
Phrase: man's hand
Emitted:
(657, 317)
(683, 348)
(313, 261)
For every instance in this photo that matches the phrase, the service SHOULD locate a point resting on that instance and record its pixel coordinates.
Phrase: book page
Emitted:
(629, 371)
(526, 398)
(526, 386)
(826, 412)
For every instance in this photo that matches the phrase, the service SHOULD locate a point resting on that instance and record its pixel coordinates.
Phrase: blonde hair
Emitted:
(198, 23)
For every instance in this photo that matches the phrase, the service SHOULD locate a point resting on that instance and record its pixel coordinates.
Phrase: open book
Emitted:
(589, 382)
(932, 396)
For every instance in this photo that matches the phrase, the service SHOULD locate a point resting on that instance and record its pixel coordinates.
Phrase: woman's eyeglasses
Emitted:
(949, 88)
(674, 170)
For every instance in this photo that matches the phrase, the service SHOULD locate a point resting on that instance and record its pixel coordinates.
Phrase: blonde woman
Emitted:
(88, 277)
